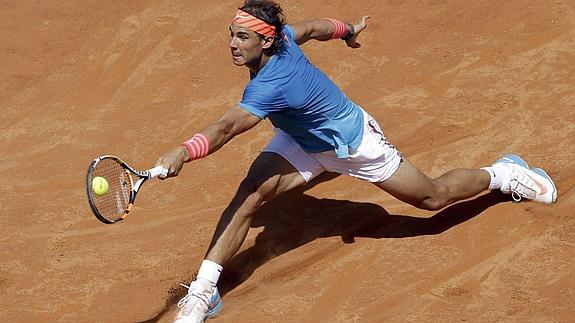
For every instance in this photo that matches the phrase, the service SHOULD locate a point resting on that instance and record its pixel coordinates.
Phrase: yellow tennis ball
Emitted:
(100, 185)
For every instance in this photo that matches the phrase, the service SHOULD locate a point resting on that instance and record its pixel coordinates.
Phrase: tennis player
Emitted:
(317, 128)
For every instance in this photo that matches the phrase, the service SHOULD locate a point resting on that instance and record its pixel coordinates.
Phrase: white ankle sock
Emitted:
(209, 273)
(498, 175)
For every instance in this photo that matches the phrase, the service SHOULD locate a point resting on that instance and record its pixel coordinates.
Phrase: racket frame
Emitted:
(141, 175)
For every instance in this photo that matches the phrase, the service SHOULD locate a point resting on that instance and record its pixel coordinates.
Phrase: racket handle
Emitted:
(157, 171)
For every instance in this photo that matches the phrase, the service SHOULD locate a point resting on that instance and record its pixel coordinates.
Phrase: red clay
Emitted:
(453, 84)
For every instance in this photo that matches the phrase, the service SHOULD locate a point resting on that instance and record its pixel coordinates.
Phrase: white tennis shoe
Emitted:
(199, 304)
(524, 183)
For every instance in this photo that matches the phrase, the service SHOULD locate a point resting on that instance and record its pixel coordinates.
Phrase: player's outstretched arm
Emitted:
(232, 123)
(326, 29)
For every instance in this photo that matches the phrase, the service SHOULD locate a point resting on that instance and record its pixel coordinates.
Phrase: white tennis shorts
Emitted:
(375, 160)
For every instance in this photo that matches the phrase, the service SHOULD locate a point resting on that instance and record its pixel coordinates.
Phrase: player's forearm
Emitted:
(232, 123)
(327, 29)
(218, 134)
(207, 141)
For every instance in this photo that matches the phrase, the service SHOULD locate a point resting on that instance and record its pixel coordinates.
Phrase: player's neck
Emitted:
(262, 62)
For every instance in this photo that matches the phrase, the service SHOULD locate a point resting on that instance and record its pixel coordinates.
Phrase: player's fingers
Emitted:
(364, 20)
(362, 24)
(173, 171)
(160, 162)
(354, 44)
(168, 166)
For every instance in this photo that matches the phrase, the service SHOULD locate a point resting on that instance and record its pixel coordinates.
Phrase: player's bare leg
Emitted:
(412, 186)
(509, 174)
(269, 176)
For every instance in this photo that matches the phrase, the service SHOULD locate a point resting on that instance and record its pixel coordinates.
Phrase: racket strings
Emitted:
(112, 204)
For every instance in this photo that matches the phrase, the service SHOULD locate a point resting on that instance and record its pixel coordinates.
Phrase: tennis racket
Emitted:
(112, 186)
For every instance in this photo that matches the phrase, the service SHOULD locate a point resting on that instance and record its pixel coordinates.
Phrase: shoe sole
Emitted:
(215, 311)
(541, 172)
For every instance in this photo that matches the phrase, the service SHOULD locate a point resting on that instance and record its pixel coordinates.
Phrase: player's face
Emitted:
(246, 46)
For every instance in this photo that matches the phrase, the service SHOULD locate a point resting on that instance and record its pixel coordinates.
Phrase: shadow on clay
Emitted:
(295, 219)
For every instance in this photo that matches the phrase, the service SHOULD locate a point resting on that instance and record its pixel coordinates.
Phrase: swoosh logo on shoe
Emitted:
(541, 186)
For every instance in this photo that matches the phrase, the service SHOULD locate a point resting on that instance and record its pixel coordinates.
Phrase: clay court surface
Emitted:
(453, 84)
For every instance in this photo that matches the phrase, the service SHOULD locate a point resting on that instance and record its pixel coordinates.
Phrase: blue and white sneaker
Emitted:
(524, 183)
(199, 304)
(514, 159)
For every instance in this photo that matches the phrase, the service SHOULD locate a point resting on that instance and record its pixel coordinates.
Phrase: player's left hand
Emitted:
(173, 161)
(358, 28)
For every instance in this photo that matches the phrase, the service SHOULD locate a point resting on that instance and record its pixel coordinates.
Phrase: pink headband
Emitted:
(244, 19)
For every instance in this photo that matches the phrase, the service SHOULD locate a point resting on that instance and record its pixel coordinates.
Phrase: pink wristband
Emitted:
(198, 146)
(340, 28)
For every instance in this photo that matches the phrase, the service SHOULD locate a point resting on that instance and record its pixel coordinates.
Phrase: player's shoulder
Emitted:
(263, 88)
(288, 31)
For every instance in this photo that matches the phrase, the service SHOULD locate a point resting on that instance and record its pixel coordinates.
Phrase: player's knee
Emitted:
(436, 201)
(431, 204)
(252, 193)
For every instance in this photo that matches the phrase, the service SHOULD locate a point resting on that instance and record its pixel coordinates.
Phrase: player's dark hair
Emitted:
(270, 12)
